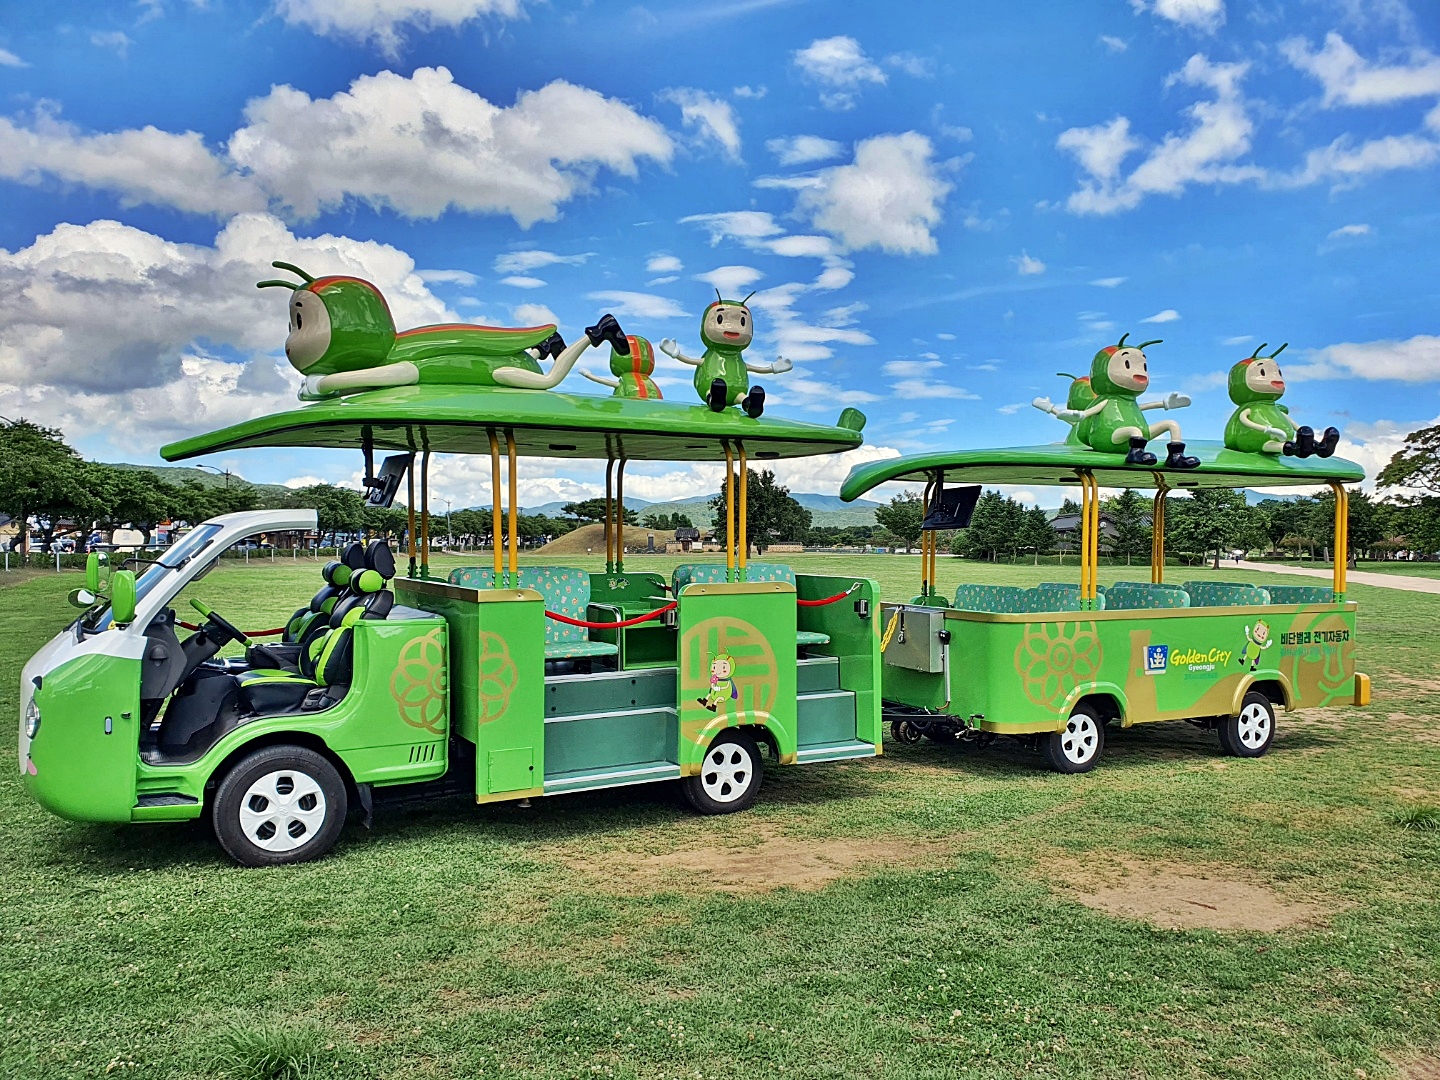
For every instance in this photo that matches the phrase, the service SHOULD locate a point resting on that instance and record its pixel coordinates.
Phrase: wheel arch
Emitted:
(308, 740)
(1108, 699)
(1272, 684)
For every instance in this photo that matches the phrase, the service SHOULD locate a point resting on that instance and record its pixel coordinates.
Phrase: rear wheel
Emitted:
(1076, 747)
(730, 775)
(1249, 732)
(278, 805)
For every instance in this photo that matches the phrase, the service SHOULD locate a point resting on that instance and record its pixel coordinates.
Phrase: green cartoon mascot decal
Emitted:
(1256, 642)
(343, 339)
(722, 376)
(1114, 419)
(722, 683)
(632, 371)
(1260, 424)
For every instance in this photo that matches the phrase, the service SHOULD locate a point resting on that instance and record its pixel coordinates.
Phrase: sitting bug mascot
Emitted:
(1118, 375)
(632, 371)
(1261, 425)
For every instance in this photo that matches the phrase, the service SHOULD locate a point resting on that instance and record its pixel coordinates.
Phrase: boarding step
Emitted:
(825, 718)
(610, 691)
(817, 673)
(641, 773)
(602, 742)
(834, 752)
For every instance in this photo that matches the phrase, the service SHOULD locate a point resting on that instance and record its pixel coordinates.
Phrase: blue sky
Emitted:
(941, 205)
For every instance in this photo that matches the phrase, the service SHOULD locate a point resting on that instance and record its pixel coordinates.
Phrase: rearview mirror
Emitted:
(81, 598)
(122, 597)
(96, 570)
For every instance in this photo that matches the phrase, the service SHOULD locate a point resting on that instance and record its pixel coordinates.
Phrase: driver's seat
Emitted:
(326, 663)
(311, 621)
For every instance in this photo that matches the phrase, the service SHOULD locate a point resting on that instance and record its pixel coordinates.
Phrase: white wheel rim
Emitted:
(1080, 741)
(282, 811)
(1254, 725)
(727, 772)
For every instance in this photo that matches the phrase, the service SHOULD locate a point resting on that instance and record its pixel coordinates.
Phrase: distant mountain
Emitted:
(174, 474)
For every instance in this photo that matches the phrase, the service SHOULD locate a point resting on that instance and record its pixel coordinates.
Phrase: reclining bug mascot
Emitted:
(1261, 425)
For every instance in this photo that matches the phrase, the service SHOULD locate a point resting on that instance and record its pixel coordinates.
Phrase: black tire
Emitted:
(1250, 731)
(252, 815)
(730, 775)
(905, 731)
(1076, 748)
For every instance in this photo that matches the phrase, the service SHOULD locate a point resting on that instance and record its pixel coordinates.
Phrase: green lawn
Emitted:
(461, 941)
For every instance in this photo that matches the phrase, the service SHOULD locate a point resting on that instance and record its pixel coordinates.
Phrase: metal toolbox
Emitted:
(919, 640)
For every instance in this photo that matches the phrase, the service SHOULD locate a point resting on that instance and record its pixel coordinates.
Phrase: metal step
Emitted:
(610, 691)
(825, 718)
(644, 773)
(817, 673)
(834, 752)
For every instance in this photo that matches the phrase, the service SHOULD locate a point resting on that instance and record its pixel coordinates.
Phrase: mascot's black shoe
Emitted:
(551, 347)
(608, 329)
(1326, 446)
(1138, 455)
(754, 402)
(1304, 442)
(1175, 457)
(718, 396)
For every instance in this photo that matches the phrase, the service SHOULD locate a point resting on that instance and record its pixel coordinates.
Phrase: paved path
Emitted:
(1359, 577)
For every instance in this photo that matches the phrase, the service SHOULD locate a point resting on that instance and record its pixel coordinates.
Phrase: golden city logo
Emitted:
(1200, 659)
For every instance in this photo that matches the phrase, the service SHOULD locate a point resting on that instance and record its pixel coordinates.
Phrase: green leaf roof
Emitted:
(1056, 464)
(459, 419)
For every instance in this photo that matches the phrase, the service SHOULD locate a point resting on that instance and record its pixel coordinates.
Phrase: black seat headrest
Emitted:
(354, 556)
(379, 558)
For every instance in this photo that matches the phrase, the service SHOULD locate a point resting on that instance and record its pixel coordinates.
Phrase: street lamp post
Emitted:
(449, 536)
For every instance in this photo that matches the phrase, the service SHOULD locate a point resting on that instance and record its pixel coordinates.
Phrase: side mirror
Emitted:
(122, 597)
(81, 598)
(92, 573)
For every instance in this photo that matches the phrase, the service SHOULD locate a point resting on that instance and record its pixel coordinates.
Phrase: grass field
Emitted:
(919, 915)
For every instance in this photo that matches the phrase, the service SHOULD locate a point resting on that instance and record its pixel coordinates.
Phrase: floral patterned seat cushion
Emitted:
(566, 591)
(1010, 598)
(1223, 594)
(714, 573)
(1301, 594)
(1134, 597)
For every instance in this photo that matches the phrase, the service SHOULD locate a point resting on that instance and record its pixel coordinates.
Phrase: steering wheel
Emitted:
(211, 616)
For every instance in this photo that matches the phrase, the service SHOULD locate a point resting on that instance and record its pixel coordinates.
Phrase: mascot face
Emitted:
(309, 330)
(728, 324)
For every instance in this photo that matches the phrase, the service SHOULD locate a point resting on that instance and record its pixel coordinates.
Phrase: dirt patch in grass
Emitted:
(1417, 1066)
(760, 864)
(1181, 896)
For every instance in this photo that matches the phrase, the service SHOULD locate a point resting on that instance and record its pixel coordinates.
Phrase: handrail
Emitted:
(611, 625)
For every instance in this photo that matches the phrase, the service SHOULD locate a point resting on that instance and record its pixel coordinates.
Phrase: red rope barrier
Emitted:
(612, 625)
(828, 599)
(248, 633)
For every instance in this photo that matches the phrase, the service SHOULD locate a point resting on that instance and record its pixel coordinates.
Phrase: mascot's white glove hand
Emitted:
(781, 364)
(310, 388)
(1277, 433)
(1044, 404)
(1176, 401)
(670, 347)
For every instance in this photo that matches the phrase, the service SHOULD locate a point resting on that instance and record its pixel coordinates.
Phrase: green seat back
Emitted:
(1301, 594)
(567, 592)
(1125, 596)
(1006, 598)
(712, 573)
(1225, 594)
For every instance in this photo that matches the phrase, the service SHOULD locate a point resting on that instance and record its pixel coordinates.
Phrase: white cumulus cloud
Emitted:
(382, 21)
(640, 305)
(803, 149)
(840, 64)
(1027, 265)
(712, 119)
(1206, 16)
(1349, 79)
(520, 262)
(1168, 315)
(1414, 360)
(889, 197)
(664, 264)
(9, 59)
(730, 279)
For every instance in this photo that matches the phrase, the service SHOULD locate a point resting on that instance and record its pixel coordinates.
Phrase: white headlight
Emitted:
(32, 719)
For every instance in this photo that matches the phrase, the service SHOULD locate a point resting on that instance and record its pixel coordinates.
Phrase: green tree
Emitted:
(1036, 533)
(41, 477)
(338, 510)
(588, 510)
(1210, 520)
(654, 519)
(996, 526)
(1417, 463)
(773, 517)
(1129, 516)
(134, 497)
(903, 517)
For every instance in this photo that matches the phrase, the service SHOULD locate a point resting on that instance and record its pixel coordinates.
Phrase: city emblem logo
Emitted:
(1157, 658)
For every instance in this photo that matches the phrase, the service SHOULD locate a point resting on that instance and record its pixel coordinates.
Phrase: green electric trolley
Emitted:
(1055, 664)
(507, 682)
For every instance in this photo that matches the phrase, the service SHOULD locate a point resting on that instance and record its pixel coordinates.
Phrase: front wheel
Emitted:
(730, 775)
(1249, 732)
(278, 805)
(1076, 747)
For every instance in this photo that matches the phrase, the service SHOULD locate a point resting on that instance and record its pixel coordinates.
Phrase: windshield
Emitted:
(195, 541)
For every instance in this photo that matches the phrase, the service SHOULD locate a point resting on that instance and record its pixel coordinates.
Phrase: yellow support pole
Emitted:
(410, 511)
(729, 513)
(609, 504)
(425, 514)
(1157, 532)
(742, 529)
(514, 540)
(495, 529)
(1342, 536)
(925, 542)
(620, 516)
(1095, 543)
(1084, 535)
